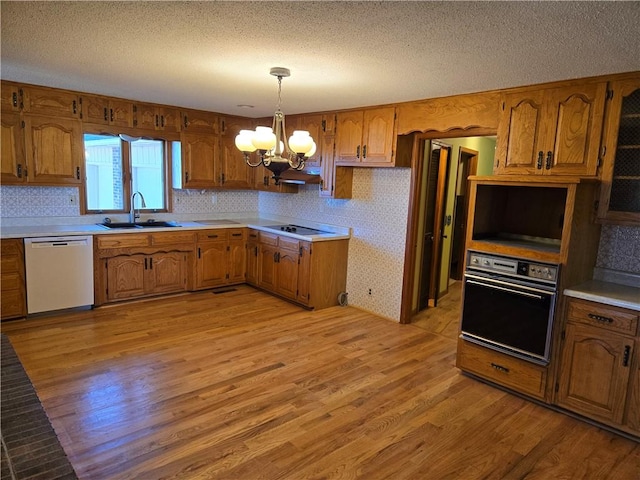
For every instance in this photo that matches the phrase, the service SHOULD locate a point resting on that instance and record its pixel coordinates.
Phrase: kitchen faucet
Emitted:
(132, 214)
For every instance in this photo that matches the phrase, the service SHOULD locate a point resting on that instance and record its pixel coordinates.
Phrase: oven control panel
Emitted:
(512, 266)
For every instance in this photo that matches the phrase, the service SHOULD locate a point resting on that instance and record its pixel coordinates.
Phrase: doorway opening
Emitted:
(438, 215)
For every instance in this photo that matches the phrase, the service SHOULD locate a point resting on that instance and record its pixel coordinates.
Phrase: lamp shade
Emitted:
(300, 141)
(264, 138)
(244, 141)
(311, 152)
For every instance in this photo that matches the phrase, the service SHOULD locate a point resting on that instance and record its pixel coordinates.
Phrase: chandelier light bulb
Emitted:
(264, 138)
(311, 152)
(244, 141)
(300, 141)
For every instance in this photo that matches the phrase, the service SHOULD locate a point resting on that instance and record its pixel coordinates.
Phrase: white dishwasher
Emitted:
(59, 272)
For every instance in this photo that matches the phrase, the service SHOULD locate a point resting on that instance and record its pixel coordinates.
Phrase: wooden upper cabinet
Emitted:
(365, 137)
(235, 173)
(51, 102)
(106, 111)
(156, 117)
(554, 131)
(11, 97)
(13, 169)
(200, 154)
(620, 191)
(200, 121)
(54, 150)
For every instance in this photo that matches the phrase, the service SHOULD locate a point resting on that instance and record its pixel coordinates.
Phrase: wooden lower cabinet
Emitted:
(220, 257)
(312, 274)
(130, 276)
(598, 375)
(128, 266)
(505, 370)
(13, 299)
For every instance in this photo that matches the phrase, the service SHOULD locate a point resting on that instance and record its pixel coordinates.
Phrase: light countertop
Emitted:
(608, 293)
(28, 231)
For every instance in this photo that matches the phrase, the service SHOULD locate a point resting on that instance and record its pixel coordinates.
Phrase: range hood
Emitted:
(300, 177)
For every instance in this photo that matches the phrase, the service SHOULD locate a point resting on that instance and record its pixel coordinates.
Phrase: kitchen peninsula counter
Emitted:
(607, 293)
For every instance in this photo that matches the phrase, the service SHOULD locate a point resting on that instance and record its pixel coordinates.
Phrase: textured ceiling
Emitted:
(217, 55)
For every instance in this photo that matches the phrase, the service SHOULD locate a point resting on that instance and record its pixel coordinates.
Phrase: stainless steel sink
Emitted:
(138, 224)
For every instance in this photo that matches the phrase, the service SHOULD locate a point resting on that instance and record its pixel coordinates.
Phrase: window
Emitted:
(116, 168)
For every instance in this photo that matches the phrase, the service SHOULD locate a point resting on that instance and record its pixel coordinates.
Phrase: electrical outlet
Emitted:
(72, 199)
(369, 291)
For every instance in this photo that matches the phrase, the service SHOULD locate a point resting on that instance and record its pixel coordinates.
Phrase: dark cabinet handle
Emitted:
(547, 165)
(625, 356)
(236, 234)
(358, 152)
(157, 121)
(186, 122)
(275, 257)
(500, 368)
(198, 252)
(106, 114)
(14, 99)
(162, 121)
(151, 263)
(75, 107)
(364, 152)
(256, 251)
(186, 177)
(600, 318)
(111, 114)
(212, 236)
(539, 162)
(78, 173)
(19, 172)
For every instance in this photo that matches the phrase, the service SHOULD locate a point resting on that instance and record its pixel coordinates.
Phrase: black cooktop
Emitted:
(300, 230)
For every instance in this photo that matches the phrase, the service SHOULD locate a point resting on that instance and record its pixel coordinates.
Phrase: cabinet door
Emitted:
(377, 136)
(13, 296)
(327, 166)
(95, 109)
(519, 133)
(13, 159)
(200, 121)
(236, 255)
(287, 273)
(10, 97)
(267, 255)
(53, 148)
(620, 187)
(235, 173)
(252, 258)
(594, 373)
(125, 277)
(211, 264)
(51, 102)
(167, 272)
(169, 119)
(632, 417)
(146, 117)
(304, 273)
(575, 124)
(199, 160)
(349, 136)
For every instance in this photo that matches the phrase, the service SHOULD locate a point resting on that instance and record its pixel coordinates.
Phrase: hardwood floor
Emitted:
(242, 385)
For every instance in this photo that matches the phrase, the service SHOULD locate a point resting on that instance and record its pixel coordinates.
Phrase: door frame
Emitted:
(411, 243)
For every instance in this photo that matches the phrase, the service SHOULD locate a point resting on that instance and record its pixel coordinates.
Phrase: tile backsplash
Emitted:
(619, 248)
(24, 202)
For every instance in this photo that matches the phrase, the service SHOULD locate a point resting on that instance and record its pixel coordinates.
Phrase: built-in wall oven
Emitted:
(509, 305)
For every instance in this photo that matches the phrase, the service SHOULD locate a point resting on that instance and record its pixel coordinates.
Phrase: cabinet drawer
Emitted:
(289, 243)
(11, 247)
(269, 239)
(11, 281)
(237, 233)
(122, 241)
(253, 234)
(509, 371)
(172, 238)
(605, 316)
(11, 264)
(219, 235)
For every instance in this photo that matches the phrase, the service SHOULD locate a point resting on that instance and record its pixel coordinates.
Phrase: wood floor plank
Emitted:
(242, 385)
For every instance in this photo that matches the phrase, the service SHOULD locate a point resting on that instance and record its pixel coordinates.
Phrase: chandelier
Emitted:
(273, 150)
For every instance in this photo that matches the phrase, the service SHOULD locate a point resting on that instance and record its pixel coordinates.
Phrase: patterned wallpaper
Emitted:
(377, 214)
(619, 248)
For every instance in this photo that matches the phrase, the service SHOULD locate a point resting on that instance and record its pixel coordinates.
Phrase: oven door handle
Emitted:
(510, 290)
